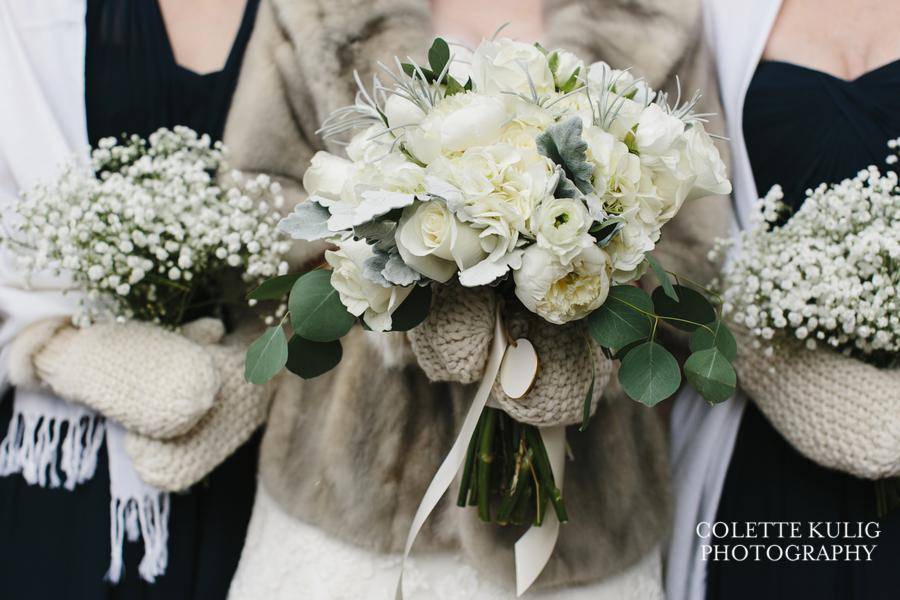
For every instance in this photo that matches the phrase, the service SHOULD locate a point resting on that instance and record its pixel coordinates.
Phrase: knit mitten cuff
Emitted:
(23, 349)
(238, 410)
(839, 412)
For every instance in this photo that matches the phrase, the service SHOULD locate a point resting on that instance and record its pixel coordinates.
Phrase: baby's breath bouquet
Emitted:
(147, 232)
(829, 275)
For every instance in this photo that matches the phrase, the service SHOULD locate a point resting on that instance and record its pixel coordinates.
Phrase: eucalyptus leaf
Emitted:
(414, 309)
(710, 373)
(266, 356)
(720, 337)
(649, 374)
(317, 313)
(438, 55)
(308, 221)
(691, 309)
(562, 143)
(619, 321)
(662, 276)
(275, 288)
(310, 359)
(411, 71)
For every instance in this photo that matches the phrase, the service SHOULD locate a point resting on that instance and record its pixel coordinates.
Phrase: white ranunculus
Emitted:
(704, 160)
(568, 65)
(326, 175)
(506, 65)
(638, 236)
(561, 293)
(435, 243)
(657, 131)
(362, 297)
(460, 121)
(561, 225)
(400, 111)
(617, 172)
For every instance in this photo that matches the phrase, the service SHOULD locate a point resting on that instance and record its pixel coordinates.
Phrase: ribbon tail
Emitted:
(535, 547)
(446, 473)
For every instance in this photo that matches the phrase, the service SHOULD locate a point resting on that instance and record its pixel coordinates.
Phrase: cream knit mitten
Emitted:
(238, 411)
(837, 411)
(150, 380)
(453, 344)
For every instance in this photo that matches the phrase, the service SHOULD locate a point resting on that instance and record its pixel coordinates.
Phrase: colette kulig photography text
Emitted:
(449, 299)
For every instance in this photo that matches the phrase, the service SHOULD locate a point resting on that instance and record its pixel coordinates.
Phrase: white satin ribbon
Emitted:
(533, 549)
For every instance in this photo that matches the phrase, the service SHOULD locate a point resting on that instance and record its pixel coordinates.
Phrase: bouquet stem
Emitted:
(523, 484)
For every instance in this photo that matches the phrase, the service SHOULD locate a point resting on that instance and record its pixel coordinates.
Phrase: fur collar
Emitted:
(648, 35)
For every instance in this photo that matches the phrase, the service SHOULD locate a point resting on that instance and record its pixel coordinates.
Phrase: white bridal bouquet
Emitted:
(829, 275)
(146, 232)
(540, 177)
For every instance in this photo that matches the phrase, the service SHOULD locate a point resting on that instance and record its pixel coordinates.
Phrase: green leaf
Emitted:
(571, 82)
(266, 356)
(317, 313)
(720, 337)
(553, 62)
(453, 87)
(438, 56)
(411, 71)
(662, 276)
(469, 85)
(275, 288)
(619, 321)
(710, 373)
(649, 374)
(310, 359)
(413, 310)
(691, 309)
(562, 143)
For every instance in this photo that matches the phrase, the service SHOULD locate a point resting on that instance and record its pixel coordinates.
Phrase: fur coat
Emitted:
(353, 451)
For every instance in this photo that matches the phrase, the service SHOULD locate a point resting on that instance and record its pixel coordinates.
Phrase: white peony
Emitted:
(436, 244)
(460, 121)
(561, 225)
(561, 293)
(506, 65)
(326, 175)
(362, 297)
(401, 112)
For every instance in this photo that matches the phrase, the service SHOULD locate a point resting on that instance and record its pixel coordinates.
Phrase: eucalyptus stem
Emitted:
(466, 480)
(663, 317)
(485, 458)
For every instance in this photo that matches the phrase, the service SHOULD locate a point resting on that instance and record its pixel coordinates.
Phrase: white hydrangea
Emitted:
(147, 230)
(828, 275)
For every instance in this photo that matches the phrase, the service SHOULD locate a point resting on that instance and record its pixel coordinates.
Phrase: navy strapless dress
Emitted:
(802, 128)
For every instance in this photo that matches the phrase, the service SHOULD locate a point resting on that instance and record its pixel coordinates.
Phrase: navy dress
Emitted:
(802, 128)
(54, 543)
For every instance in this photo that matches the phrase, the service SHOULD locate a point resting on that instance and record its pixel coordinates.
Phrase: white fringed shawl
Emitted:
(51, 442)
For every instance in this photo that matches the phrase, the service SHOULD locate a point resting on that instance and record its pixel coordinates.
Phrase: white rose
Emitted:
(460, 121)
(657, 131)
(434, 243)
(326, 175)
(505, 65)
(704, 160)
(568, 64)
(561, 225)
(561, 293)
(362, 297)
(637, 237)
